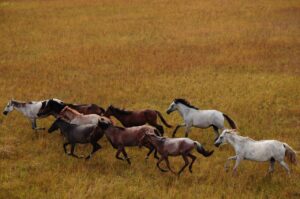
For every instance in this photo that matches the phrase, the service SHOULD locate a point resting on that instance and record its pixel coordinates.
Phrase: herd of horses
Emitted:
(88, 123)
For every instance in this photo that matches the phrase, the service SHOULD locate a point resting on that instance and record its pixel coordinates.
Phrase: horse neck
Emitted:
(235, 140)
(21, 109)
(110, 131)
(68, 114)
(119, 116)
(157, 143)
(183, 110)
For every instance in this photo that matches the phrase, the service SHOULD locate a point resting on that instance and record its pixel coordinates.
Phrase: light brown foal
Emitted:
(74, 117)
(175, 147)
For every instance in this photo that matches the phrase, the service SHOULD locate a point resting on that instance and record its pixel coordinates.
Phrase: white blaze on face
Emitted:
(171, 107)
(9, 107)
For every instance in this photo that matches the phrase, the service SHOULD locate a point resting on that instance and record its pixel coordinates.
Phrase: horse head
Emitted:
(9, 107)
(224, 136)
(104, 122)
(53, 107)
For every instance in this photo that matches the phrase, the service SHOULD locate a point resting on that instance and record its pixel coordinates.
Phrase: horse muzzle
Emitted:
(217, 144)
(169, 111)
(5, 112)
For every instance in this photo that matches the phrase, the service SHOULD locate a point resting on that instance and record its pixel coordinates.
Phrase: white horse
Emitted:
(29, 110)
(263, 150)
(193, 117)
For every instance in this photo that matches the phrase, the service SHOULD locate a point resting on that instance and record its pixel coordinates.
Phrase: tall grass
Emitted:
(240, 57)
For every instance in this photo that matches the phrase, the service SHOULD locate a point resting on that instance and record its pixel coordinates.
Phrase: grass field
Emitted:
(240, 57)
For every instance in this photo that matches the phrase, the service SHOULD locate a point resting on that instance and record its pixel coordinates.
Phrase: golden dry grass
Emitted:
(240, 57)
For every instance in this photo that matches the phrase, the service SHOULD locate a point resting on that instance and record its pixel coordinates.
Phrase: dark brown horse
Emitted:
(53, 107)
(137, 118)
(175, 147)
(120, 138)
(73, 133)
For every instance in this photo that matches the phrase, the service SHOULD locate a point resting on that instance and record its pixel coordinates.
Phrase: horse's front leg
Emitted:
(72, 151)
(96, 147)
(187, 130)
(168, 165)
(126, 156)
(177, 127)
(227, 162)
(158, 162)
(33, 125)
(237, 162)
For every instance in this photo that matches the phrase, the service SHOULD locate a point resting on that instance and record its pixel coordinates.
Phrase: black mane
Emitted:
(121, 111)
(185, 102)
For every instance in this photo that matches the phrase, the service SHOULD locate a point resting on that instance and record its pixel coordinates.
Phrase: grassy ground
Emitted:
(240, 57)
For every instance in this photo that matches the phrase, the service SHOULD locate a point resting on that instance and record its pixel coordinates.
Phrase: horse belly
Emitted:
(260, 153)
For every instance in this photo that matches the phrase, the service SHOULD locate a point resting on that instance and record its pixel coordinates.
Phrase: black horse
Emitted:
(54, 108)
(82, 134)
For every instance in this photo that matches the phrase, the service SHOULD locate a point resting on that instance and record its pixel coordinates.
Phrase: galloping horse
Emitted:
(29, 110)
(74, 117)
(120, 138)
(54, 107)
(137, 118)
(263, 150)
(83, 134)
(175, 147)
(192, 116)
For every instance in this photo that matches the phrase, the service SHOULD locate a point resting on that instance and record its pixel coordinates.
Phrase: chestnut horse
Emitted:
(54, 107)
(175, 147)
(120, 138)
(74, 117)
(137, 118)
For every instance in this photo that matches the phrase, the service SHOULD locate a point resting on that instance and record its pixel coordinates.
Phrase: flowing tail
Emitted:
(163, 120)
(201, 150)
(290, 154)
(230, 121)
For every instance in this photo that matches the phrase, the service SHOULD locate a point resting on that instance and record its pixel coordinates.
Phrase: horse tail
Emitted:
(230, 121)
(201, 149)
(163, 120)
(290, 154)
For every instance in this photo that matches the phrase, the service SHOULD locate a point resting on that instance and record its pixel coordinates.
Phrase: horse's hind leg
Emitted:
(285, 166)
(193, 160)
(151, 148)
(186, 163)
(271, 167)
(65, 146)
(72, 151)
(96, 147)
(118, 153)
(216, 130)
